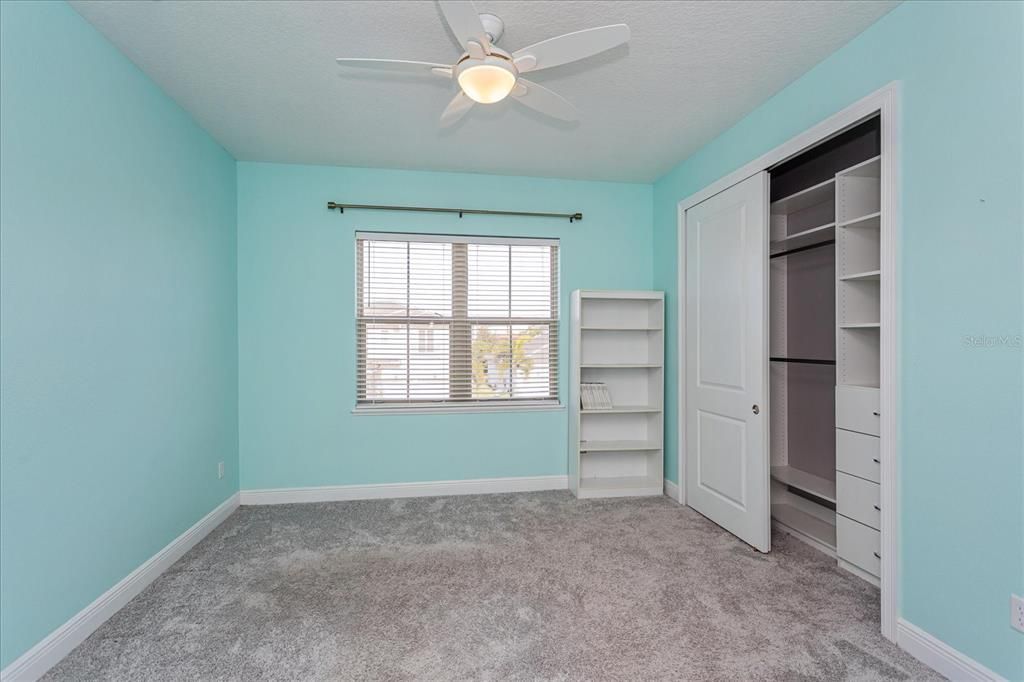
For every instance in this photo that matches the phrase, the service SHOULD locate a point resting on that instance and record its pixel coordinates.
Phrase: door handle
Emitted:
(755, 409)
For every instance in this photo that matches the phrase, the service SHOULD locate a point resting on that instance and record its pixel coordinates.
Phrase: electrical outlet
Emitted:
(1017, 612)
(220, 469)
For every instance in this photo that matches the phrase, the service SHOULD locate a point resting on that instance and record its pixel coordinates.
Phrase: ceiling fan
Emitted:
(487, 74)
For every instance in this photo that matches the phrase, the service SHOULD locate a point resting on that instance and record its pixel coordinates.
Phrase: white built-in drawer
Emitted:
(858, 499)
(858, 454)
(859, 545)
(857, 409)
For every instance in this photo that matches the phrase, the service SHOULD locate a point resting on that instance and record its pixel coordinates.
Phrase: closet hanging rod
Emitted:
(573, 217)
(805, 361)
(798, 249)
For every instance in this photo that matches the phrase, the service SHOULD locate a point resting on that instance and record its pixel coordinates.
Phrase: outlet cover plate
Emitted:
(1017, 612)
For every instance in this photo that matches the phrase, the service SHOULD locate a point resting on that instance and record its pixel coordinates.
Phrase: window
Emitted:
(456, 321)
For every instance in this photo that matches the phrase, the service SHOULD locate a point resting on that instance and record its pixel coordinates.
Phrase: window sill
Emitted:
(380, 410)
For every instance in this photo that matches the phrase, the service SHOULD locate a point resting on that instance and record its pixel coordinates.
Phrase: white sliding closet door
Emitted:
(726, 426)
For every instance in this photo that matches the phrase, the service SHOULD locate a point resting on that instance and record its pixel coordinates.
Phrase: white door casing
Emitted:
(726, 379)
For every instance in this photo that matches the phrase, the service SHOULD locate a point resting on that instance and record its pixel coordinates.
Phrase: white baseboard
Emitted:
(34, 663)
(672, 490)
(340, 493)
(939, 656)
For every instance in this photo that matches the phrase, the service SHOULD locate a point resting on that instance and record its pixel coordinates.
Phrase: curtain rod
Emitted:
(573, 217)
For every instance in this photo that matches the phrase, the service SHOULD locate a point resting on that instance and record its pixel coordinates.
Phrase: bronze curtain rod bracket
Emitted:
(573, 217)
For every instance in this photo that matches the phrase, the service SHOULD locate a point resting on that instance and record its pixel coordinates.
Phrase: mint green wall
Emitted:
(125, 379)
(960, 271)
(297, 334)
(118, 365)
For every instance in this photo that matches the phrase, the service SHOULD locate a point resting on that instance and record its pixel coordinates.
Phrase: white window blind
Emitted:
(456, 320)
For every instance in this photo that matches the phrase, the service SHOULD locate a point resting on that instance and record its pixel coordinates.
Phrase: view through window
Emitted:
(456, 320)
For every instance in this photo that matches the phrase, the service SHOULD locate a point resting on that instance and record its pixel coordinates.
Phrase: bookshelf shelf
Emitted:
(618, 445)
(623, 365)
(623, 409)
(620, 486)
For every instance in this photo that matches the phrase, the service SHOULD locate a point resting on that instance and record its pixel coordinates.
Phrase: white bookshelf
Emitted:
(618, 339)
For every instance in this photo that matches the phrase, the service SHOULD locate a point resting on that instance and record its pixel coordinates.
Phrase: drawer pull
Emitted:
(877, 555)
(877, 508)
(877, 414)
(876, 460)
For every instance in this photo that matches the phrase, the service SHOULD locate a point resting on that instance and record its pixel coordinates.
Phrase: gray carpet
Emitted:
(523, 586)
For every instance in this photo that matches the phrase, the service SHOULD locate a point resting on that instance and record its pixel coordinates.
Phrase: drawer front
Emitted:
(857, 409)
(857, 454)
(858, 544)
(858, 499)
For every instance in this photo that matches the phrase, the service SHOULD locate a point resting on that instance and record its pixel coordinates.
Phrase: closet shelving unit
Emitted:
(618, 340)
(824, 407)
(858, 353)
(858, 273)
(804, 219)
(802, 366)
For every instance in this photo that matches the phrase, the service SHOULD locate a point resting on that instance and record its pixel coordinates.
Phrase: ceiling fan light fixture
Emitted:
(487, 74)
(487, 81)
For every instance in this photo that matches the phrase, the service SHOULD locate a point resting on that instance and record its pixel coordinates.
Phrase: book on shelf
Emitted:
(595, 396)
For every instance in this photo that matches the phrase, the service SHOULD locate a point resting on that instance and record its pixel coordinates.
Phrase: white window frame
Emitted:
(468, 405)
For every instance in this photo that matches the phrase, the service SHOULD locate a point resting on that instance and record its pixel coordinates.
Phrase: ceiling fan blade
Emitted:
(543, 100)
(398, 66)
(570, 47)
(456, 109)
(464, 21)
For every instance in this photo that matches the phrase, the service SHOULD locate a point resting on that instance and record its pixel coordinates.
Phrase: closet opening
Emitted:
(824, 325)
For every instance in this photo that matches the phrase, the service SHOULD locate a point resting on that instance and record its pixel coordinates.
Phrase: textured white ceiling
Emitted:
(260, 77)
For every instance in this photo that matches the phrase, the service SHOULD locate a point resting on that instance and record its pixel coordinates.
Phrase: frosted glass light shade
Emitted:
(486, 83)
